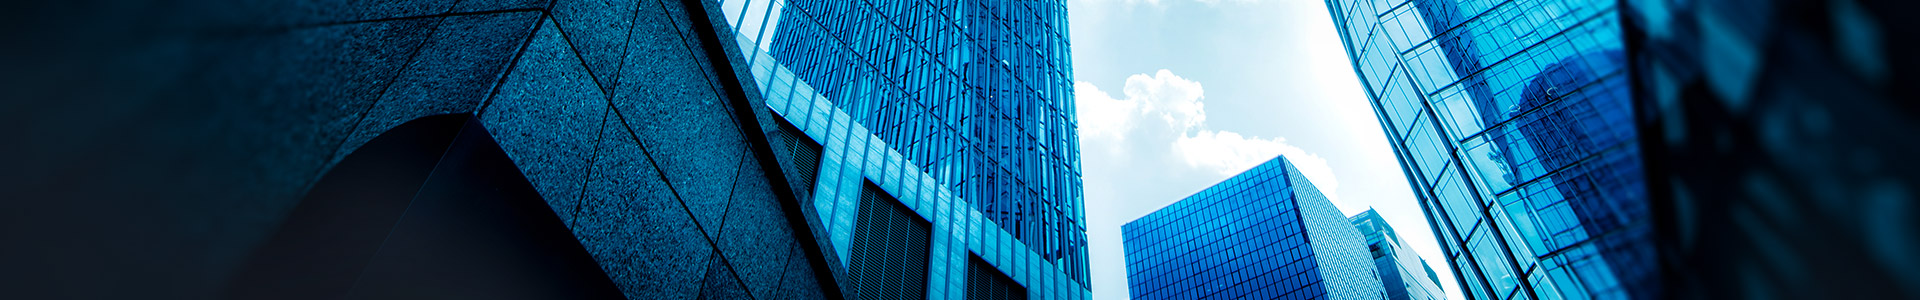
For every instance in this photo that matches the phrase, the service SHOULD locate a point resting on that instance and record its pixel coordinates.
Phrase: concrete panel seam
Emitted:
(732, 186)
(605, 88)
(695, 56)
(335, 156)
(593, 159)
(515, 62)
(676, 193)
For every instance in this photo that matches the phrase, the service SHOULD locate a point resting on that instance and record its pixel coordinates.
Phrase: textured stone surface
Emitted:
(547, 116)
(493, 5)
(635, 227)
(683, 123)
(676, 14)
(333, 11)
(754, 224)
(168, 139)
(798, 281)
(599, 28)
(454, 73)
(721, 283)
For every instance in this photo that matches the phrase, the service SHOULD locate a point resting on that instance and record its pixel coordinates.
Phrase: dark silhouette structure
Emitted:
(431, 209)
(242, 149)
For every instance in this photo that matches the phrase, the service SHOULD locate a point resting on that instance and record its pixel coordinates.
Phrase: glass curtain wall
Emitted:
(1513, 122)
(976, 93)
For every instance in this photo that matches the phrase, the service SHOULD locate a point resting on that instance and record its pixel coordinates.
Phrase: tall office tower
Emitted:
(1778, 145)
(1402, 272)
(977, 93)
(1264, 234)
(930, 172)
(1512, 120)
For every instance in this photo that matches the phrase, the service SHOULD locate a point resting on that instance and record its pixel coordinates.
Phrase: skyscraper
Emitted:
(1513, 123)
(1402, 272)
(976, 93)
(1266, 233)
(892, 225)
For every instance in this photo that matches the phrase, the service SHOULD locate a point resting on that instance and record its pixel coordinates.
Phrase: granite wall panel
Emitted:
(721, 283)
(601, 30)
(752, 231)
(454, 73)
(798, 281)
(467, 6)
(548, 115)
(636, 227)
(686, 127)
(193, 134)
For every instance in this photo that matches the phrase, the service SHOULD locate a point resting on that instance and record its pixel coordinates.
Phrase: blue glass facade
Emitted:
(1264, 234)
(964, 249)
(1513, 122)
(977, 93)
(1402, 272)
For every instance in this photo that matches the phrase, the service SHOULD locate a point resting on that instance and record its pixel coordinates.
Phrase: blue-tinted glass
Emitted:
(1403, 273)
(976, 94)
(1533, 96)
(1261, 233)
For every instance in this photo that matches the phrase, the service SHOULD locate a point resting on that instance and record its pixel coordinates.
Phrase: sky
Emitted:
(1177, 95)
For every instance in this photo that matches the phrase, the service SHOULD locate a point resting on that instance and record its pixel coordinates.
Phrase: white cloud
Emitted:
(1228, 152)
(1175, 100)
(1179, 107)
(1102, 116)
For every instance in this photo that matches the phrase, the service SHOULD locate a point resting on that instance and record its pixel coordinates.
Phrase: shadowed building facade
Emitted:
(1403, 273)
(420, 149)
(1266, 233)
(1513, 123)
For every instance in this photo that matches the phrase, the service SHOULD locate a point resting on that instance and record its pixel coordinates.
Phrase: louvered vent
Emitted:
(889, 257)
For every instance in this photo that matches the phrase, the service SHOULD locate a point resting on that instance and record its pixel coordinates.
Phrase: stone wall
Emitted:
(154, 146)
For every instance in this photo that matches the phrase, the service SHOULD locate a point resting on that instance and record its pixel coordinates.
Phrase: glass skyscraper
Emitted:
(1513, 122)
(1403, 273)
(976, 93)
(1264, 234)
(937, 142)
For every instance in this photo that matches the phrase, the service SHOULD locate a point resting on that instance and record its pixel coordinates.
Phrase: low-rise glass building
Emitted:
(1264, 234)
